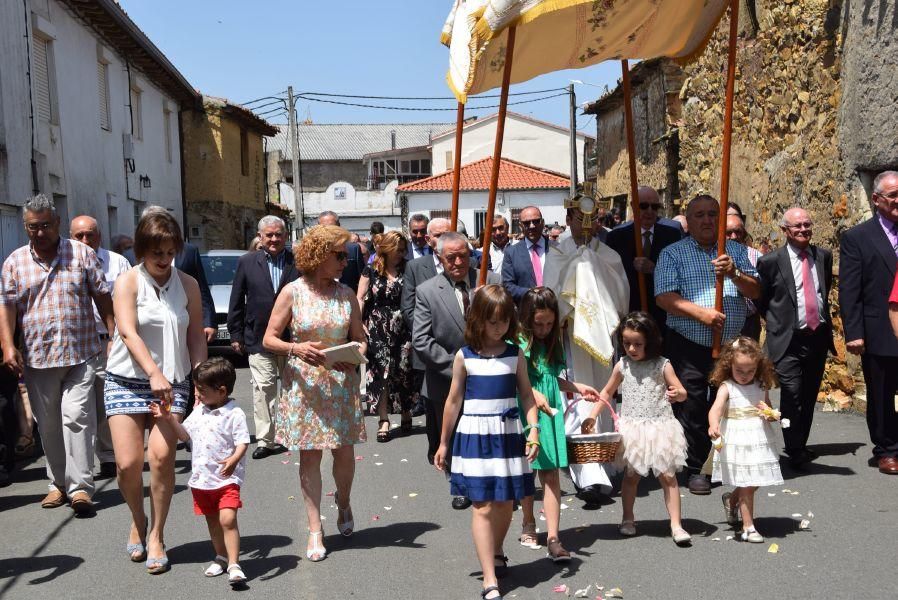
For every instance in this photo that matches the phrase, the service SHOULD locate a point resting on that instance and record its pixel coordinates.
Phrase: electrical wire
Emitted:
(279, 102)
(271, 97)
(329, 95)
(409, 108)
(272, 110)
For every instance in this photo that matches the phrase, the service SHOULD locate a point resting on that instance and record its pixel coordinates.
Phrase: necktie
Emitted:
(894, 230)
(647, 244)
(811, 311)
(465, 300)
(537, 266)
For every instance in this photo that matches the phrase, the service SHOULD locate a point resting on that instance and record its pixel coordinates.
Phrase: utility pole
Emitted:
(294, 151)
(573, 99)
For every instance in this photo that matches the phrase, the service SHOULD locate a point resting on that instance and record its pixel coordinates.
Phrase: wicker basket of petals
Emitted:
(589, 447)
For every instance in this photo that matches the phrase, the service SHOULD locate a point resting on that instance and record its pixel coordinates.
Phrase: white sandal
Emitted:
(217, 567)
(316, 551)
(236, 577)
(346, 526)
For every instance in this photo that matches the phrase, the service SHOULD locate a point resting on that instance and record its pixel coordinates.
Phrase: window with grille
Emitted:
(103, 93)
(516, 220)
(43, 103)
(440, 214)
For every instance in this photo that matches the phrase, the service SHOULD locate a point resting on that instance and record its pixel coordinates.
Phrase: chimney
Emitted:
(392, 139)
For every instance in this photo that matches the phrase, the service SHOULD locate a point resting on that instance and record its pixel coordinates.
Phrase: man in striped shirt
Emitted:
(50, 287)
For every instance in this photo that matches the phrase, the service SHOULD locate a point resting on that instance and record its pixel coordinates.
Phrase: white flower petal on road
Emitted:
(805, 524)
(413, 494)
(542, 518)
(729, 537)
(810, 515)
(395, 497)
(715, 539)
(614, 593)
(376, 455)
(797, 515)
(564, 506)
(787, 491)
(388, 508)
(773, 549)
(404, 460)
(770, 494)
(584, 593)
(378, 464)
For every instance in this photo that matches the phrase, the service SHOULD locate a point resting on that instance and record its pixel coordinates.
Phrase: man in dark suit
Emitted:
(417, 229)
(417, 272)
(355, 263)
(655, 237)
(523, 263)
(259, 279)
(866, 273)
(795, 284)
(438, 330)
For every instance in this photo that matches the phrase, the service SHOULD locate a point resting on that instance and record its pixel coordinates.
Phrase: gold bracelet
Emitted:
(290, 351)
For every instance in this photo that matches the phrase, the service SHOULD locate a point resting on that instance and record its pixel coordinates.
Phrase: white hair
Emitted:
(448, 237)
(38, 204)
(269, 220)
(877, 183)
(438, 221)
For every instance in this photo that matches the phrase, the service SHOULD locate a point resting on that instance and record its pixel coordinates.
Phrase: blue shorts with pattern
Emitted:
(127, 396)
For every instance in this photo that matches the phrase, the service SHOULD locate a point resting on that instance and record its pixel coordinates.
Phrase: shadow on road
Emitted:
(56, 565)
(256, 560)
(402, 535)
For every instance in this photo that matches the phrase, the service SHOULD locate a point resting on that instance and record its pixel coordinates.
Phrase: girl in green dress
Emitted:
(541, 342)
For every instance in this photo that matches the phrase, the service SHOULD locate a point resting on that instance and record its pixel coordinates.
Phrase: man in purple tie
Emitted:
(795, 284)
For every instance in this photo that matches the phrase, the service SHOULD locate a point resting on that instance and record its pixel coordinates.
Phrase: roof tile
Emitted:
(475, 176)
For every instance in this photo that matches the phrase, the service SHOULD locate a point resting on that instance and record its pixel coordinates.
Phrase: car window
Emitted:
(219, 269)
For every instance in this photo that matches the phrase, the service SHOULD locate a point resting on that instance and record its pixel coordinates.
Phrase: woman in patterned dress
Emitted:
(388, 378)
(320, 408)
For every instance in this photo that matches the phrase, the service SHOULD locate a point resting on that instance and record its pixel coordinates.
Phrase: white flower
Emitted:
(785, 423)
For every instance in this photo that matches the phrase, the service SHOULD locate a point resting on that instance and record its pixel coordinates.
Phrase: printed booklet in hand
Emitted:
(346, 353)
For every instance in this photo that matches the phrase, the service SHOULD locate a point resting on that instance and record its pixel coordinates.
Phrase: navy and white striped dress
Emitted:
(488, 456)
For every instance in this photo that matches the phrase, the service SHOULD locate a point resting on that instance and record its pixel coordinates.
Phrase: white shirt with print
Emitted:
(215, 435)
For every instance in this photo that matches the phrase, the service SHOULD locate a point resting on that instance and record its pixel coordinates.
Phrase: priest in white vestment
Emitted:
(589, 280)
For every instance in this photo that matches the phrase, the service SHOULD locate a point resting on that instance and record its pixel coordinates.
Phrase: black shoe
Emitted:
(107, 471)
(461, 502)
(277, 448)
(699, 484)
(592, 494)
(262, 452)
(799, 458)
(5, 478)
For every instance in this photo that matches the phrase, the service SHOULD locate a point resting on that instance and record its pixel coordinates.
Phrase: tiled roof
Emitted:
(345, 141)
(475, 176)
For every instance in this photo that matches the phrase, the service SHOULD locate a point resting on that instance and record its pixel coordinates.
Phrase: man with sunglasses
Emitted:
(868, 260)
(523, 263)
(654, 236)
(795, 284)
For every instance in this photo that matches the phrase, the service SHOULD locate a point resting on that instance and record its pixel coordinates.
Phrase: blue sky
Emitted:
(245, 50)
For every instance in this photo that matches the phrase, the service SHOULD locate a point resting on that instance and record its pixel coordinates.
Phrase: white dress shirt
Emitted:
(112, 265)
(799, 285)
(215, 434)
(497, 255)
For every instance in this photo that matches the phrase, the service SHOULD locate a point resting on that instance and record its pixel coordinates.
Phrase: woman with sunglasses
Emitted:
(320, 408)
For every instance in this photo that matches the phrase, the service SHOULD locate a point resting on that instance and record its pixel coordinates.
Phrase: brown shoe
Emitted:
(888, 465)
(54, 499)
(81, 503)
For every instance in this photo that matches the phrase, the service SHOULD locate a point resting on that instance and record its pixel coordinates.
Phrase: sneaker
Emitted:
(751, 535)
(528, 537)
(731, 511)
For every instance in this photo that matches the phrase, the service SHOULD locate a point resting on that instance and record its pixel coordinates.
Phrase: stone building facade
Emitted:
(224, 174)
(814, 121)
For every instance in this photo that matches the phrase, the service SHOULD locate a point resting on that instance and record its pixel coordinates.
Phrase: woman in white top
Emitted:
(159, 338)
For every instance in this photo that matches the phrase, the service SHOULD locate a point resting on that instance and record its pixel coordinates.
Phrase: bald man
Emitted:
(86, 230)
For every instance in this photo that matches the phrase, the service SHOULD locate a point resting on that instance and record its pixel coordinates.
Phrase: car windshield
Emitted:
(219, 269)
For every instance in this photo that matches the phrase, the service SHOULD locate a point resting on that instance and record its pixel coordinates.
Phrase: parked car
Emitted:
(220, 267)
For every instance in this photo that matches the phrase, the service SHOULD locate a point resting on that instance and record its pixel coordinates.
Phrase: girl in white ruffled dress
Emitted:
(747, 457)
(652, 440)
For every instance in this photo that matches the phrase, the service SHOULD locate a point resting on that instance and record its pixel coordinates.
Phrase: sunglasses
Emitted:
(341, 256)
(532, 223)
(646, 206)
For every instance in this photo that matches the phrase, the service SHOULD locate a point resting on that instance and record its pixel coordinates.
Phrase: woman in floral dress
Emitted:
(320, 408)
(388, 377)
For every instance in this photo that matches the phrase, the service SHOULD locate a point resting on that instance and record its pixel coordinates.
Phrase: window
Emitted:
(449, 164)
(138, 211)
(166, 125)
(244, 153)
(136, 125)
(103, 93)
(43, 102)
(404, 167)
(479, 222)
(425, 166)
(516, 220)
(440, 214)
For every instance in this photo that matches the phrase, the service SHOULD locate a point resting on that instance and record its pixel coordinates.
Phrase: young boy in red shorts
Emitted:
(220, 439)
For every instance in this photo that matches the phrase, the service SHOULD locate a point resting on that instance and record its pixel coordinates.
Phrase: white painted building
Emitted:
(357, 208)
(105, 103)
(526, 140)
(520, 186)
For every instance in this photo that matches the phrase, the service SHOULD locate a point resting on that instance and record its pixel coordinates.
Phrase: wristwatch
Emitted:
(736, 273)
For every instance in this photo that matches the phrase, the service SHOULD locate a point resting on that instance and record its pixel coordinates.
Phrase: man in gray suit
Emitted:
(438, 330)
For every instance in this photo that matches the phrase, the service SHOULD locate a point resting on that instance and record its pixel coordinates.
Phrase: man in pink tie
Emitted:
(795, 285)
(524, 262)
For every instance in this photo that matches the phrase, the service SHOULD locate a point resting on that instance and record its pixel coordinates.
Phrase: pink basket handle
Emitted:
(603, 401)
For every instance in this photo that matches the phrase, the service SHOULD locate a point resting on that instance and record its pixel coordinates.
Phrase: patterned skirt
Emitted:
(127, 396)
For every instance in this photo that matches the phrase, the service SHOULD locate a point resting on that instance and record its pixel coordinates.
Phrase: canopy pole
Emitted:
(725, 162)
(456, 159)
(497, 155)
(634, 187)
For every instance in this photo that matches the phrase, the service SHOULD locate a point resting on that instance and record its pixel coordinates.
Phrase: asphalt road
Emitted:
(409, 543)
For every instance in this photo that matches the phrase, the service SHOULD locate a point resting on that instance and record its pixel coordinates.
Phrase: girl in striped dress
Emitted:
(490, 458)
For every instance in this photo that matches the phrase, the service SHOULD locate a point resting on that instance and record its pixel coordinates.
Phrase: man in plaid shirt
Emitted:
(685, 281)
(49, 287)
